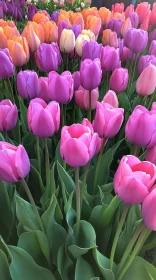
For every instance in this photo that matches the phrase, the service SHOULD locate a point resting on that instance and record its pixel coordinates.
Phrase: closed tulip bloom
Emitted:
(77, 19)
(141, 127)
(134, 179)
(48, 57)
(110, 59)
(89, 33)
(133, 37)
(6, 64)
(105, 15)
(115, 25)
(119, 80)
(134, 19)
(34, 34)
(43, 119)
(32, 10)
(152, 35)
(50, 32)
(3, 39)
(91, 50)
(118, 8)
(78, 145)
(80, 42)
(54, 16)
(151, 155)
(10, 32)
(109, 118)
(145, 61)
(61, 87)
(19, 50)
(14, 162)
(94, 24)
(62, 25)
(111, 98)
(153, 15)
(110, 38)
(142, 10)
(67, 41)
(76, 28)
(44, 89)
(83, 97)
(152, 48)
(146, 22)
(126, 25)
(129, 10)
(87, 79)
(146, 82)
(41, 16)
(76, 79)
(28, 84)
(9, 115)
(149, 210)
(153, 106)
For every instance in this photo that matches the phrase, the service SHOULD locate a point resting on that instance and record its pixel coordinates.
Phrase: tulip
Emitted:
(34, 34)
(153, 106)
(61, 87)
(149, 210)
(28, 84)
(54, 16)
(126, 25)
(91, 50)
(79, 43)
(76, 29)
(129, 10)
(152, 48)
(133, 179)
(62, 25)
(109, 118)
(10, 32)
(110, 38)
(111, 98)
(153, 15)
(88, 33)
(133, 37)
(43, 119)
(6, 65)
(19, 50)
(119, 16)
(115, 25)
(50, 32)
(40, 17)
(85, 99)
(141, 127)
(146, 21)
(145, 61)
(146, 82)
(110, 59)
(14, 162)
(87, 68)
(118, 8)
(134, 19)
(32, 10)
(151, 155)
(48, 57)
(78, 145)
(105, 15)
(3, 39)
(142, 10)
(44, 89)
(9, 115)
(67, 41)
(119, 80)
(94, 24)
(152, 36)
(76, 79)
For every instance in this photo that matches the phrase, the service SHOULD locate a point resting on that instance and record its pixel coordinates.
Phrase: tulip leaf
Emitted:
(64, 264)
(124, 101)
(84, 270)
(67, 180)
(23, 266)
(23, 114)
(57, 154)
(29, 141)
(51, 188)
(16, 133)
(1, 137)
(4, 267)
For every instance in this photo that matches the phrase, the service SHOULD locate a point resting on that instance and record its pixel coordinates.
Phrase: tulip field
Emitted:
(77, 141)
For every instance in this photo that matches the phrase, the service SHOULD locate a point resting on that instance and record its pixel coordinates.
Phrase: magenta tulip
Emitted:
(78, 145)
(44, 89)
(146, 82)
(83, 98)
(43, 119)
(149, 210)
(76, 78)
(28, 84)
(152, 48)
(111, 98)
(14, 162)
(119, 80)
(134, 179)
(8, 115)
(6, 64)
(145, 61)
(110, 59)
(151, 155)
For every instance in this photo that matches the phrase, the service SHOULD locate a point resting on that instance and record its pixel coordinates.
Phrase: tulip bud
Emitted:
(32, 10)
(43, 119)
(152, 48)
(110, 38)
(149, 210)
(79, 43)
(83, 98)
(146, 82)
(6, 65)
(134, 19)
(111, 98)
(94, 24)
(126, 25)
(133, 37)
(9, 115)
(152, 36)
(19, 50)
(44, 89)
(50, 32)
(76, 28)
(105, 15)
(86, 69)
(115, 25)
(145, 61)
(142, 10)
(91, 50)
(129, 10)
(34, 34)
(3, 39)
(28, 84)
(76, 79)
(119, 80)
(67, 41)
(110, 59)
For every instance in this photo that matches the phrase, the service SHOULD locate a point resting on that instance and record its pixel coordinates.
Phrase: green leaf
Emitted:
(36, 178)
(23, 266)
(124, 101)
(64, 264)
(6, 216)
(51, 188)
(84, 270)
(23, 114)
(107, 187)
(16, 132)
(104, 265)
(1, 137)
(4, 267)
(48, 216)
(67, 180)
(28, 141)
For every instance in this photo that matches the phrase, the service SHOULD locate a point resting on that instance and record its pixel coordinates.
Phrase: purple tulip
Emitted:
(9, 9)
(32, 10)
(152, 36)
(115, 25)
(119, 80)
(132, 40)
(48, 57)
(91, 50)
(76, 78)
(9, 115)
(110, 59)
(89, 80)
(76, 28)
(28, 84)
(145, 61)
(54, 16)
(134, 19)
(1, 10)
(6, 65)
(62, 25)
(44, 89)
(152, 48)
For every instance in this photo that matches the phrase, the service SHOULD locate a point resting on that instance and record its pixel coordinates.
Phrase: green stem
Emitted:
(78, 202)
(38, 154)
(130, 246)
(10, 86)
(107, 215)
(135, 150)
(141, 240)
(89, 115)
(134, 63)
(97, 166)
(26, 188)
(47, 162)
(116, 238)
(84, 182)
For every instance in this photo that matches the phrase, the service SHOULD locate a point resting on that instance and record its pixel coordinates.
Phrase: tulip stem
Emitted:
(84, 181)
(141, 240)
(26, 188)
(78, 202)
(38, 154)
(130, 246)
(97, 166)
(10, 86)
(116, 238)
(47, 163)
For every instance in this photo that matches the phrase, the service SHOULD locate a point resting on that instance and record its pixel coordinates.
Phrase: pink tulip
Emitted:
(78, 144)
(151, 155)
(142, 10)
(43, 119)
(76, 79)
(14, 162)
(149, 210)
(146, 82)
(108, 120)
(153, 106)
(145, 23)
(44, 89)
(83, 98)
(111, 98)
(134, 179)
(141, 127)
(61, 87)
(119, 80)
(8, 115)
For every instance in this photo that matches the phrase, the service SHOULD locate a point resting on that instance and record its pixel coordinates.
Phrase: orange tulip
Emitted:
(89, 33)
(34, 34)
(19, 50)
(63, 17)
(94, 24)
(77, 18)
(4, 23)
(119, 16)
(89, 12)
(11, 32)
(50, 32)
(41, 16)
(110, 38)
(127, 24)
(10, 23)
(105, 15)
(146, 22)
(3, 39)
